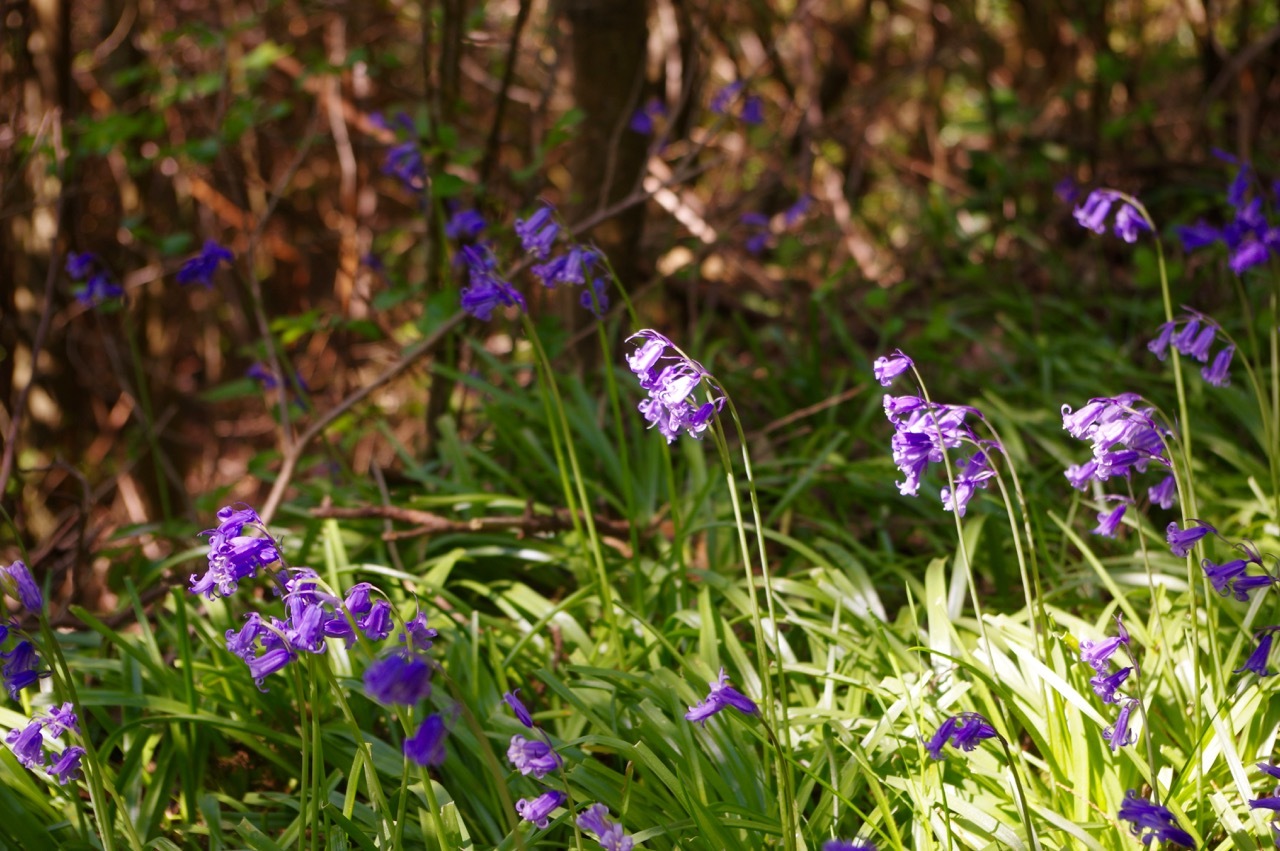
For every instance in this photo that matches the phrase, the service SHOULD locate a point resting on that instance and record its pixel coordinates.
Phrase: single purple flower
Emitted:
(532, 756)
(465, 225)
(66, 767)
(609, 833)
(796, 211)
(889, 367)
(1066, 190)
(1148, 816)
(1257, 661)
(538, 810)
(20, 668)
(98, 289)
(964, 731)
(1268, 769)
(377, 624)
(1105, 685)
(720, 102)
(1182, 540)
(60, 719)
(1197, 236)
(1097, 654)
(1160, 345)
(972, 473)
(1223, 575)
(28, 744)
(595, 298)
(201, 268)
(538, 232)
(82, 264)
(264, 376)
(486, 290)
(1252, 252)
(1246, 585)
(1272, 803)
(722, 695)
(1109, 520)
(1093, 213)
(752, 110)
(1079, 475)
(426, 747)
(517, 706)
(398, 679)
(1118, 735)
(841, 845)
(358, 601)
(643, 119)
(20, 585)
(1219, 372)
(404, 162)
(418, 633)
(1129, 223)
(1164, 493)
(261, 667)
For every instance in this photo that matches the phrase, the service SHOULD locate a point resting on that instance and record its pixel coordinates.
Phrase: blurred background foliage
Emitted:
(940, 145)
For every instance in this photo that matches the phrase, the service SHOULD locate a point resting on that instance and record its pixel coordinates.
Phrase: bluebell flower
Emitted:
(1164, 493)
(399, 679)
(1109, 520)
(1164, 336)
(596, 298)
(28, 744)
(670, 379)
(418, 633)
(426, 747)
(1268, 769)
(66, 767)
(972, 474)
(964, 731)
(486, 290)
(922, 431)
(404, 162)
(643, 119)
(261, 667)
(18, 583)
(98, 289)
(259, 372)
(1221, 576)
(1219, 372)
(60, 719)
(1118, 735)
(1105, 685)
(532, 756)
(20, 668)
(201, 268)
(1129, 223)
(1257, 661)
(538, 810)
(575, 267)
(609, 833)
(1245, 585)
(1096, 209)
(890, 366)
(1270, 803)
(1097, 654)
(1066, 190)
(1182, 540)
(796, 211)
(82, 264)
(1124, 438)
(234, 557)
(377, 624)
(1198, 235)
(358, 601)
(842, 845)
(512, 699)
(722, 695)
(752, 110)
(465, 225)
(1156, 821)
(1079, 475)
(720, 102)
(538, 232)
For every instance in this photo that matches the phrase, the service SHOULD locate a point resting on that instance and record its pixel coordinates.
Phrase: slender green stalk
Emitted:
(144, 400)
(372, 780)
(304, 734)
(624, 459)
(1023, 804)
(437, 823)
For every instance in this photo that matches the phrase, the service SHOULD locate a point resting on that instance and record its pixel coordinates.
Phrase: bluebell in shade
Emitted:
(721, 697)
(963, 731)
(66, 766)
(426, 747)
(1096, 209)
(399, 679)
(532, 756)
(81, 265)
(404, 162)
(201, 268)
(1182, 540)
(1108, 521)
(234, 557)
(538, 232)
(1218, 373)
(1151, 821)
(98, 289)
(609, 833)
(486, 290)
(28, 744)
(538, 810)
(1164, 493)
(465, 225)
(21, 668)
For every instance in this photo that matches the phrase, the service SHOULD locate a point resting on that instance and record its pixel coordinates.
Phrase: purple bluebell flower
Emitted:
(21, 586)
(60, 719)
(722, 696)
(1185, 339)
(261, 667)
(1105, 685)
(538, 810)
(263, 375)
(758, 234)
(596, 298)
(1219, 372)
(609, 833)
(720, 102)
(1164, 493)
(404, 162)
(889, 367)
(1095, 210)
(752, 110)
(358, 601)
(1067, 190)
(1129, 223)
(20, 668)
(234, 557)
(1221, 576)
(922, 431)
(575, 267)
(538, 232)
(1109, 520)
(972, 473)
(66, 767)
(1160, 345)
(842, 845)
(796, 211)
(1198, 235)
(1124, 438)
(81, 265)
(512, 699)
(426, 747)
(399, 679)
(1250, 252)
(243, 642)
(1158, 823)
(532, 756)
(1268, 769)
(98, 289)
(1246, 585)
(28, 744)
(1079, 475)
(643, 119)
(1271, 803)
(1257, 661)
(1118, 735)
(201, 268)
(418, 633)
(1182, 540)
(670, 379)
(964, 731)
(378, 623)
(486, 290)
(1097, 654)
(465, 225)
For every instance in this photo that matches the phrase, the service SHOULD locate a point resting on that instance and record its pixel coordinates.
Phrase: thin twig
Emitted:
(430, 523)
(508, 75)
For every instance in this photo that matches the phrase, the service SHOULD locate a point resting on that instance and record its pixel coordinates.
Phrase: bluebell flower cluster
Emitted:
(201, 268)
(96, 282)
(30, 748)
(923, 431)
(1124, 438)
(578, 265)
(487, 289)
(609, 833)
(644, 119)
(1097, 655)
(670, 379)
(1150, 821)
(749, 109)
(1232, 578)
(233, 555)
(21, 667)
(1095, 212)
(1193, 335)
(1249, 237)
(533, 757)
(722, 696)
(963, 731)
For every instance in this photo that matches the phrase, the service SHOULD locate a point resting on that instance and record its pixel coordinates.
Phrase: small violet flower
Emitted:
(722, 695)
(1109, 520)
(538, 232)
(486, 290)
(234, 557)
(465, 225)
(512, 699)
(200, 269)
(1093, 214)
(644, 119)
(1160, 824)
(399, 679)
(532, 756)
(1097, 654)
(426, 747)
(1257, 661)
(1118, 735)
(1105, 685)
(889, 367)
(66, 767)
(538, 810)
(609, 833)
(841, 845)
(18, 583)
(1164, 493)
(1182, 540)
(964, 731)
